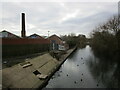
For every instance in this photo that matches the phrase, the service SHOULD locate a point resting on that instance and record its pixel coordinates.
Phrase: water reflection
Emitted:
(105, 70)
(84, 70)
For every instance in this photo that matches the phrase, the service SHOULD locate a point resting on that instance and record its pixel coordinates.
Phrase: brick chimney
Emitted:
(23, 32)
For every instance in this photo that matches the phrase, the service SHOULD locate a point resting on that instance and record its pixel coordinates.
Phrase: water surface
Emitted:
(83, 70)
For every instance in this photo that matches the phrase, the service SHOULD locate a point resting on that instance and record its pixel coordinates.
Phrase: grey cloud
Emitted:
(41, 17)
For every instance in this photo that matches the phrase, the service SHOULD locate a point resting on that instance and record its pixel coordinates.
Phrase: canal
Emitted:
(84, 70)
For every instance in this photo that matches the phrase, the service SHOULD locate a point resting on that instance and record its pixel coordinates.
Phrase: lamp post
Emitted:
(48, 33)
(49, 40)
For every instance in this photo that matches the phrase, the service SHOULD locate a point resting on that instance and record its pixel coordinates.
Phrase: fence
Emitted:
(18, 46)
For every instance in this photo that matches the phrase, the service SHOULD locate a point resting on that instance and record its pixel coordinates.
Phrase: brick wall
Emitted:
(14, 41)
(12, 47)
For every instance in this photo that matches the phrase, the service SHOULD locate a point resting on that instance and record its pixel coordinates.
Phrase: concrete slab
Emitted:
(19, 77)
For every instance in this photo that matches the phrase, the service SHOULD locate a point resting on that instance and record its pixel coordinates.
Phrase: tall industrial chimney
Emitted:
(23, 32)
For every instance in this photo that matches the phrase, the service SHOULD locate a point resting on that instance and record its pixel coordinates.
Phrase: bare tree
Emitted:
(112, 25)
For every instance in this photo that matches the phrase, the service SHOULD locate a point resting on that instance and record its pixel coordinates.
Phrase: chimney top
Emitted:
(23, 32)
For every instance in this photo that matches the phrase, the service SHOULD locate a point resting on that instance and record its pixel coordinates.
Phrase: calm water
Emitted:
(83, 70)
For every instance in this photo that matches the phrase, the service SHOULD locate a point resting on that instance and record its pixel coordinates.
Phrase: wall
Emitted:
(17, 47)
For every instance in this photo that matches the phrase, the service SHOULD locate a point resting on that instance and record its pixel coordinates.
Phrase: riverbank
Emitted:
(19, 77)
(62, 60)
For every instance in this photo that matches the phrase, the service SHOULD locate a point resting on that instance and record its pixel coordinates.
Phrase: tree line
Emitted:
(74, 40)
(105, 39)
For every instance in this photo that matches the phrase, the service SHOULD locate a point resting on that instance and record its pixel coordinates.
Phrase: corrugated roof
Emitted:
(9, 33)
(55, 36)
(35, 35)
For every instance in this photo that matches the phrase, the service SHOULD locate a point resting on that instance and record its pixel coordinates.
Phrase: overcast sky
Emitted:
(57, 17)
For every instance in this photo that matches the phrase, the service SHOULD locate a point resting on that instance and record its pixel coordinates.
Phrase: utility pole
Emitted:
(49, 40)
(48, 33)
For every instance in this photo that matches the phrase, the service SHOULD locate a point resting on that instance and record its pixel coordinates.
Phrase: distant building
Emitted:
(6, 34)
(57, 43)
(36, 36)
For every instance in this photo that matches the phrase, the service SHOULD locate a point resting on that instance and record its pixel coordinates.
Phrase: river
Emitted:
(84, 70)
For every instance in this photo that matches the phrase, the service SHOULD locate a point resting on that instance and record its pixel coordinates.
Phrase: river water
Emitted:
(83, 70)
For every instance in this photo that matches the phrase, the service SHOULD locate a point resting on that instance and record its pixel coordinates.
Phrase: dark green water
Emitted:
(84, 70)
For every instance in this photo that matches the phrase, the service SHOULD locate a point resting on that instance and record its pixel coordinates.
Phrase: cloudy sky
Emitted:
(57, 17)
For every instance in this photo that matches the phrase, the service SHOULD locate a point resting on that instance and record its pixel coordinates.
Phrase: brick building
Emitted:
(57, 43)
